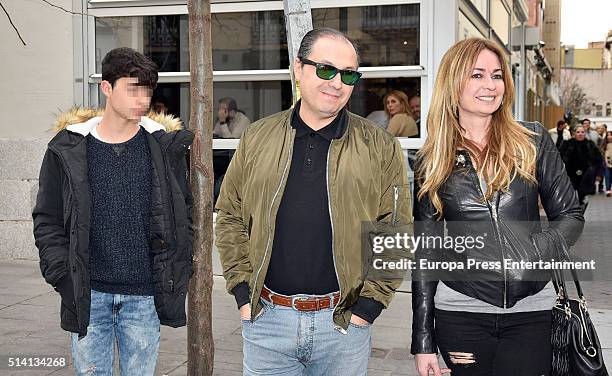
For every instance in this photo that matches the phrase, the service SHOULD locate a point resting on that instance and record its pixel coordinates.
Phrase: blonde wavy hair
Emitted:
(510, 148)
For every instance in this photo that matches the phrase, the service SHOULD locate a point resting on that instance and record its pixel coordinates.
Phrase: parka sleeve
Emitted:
(48, 215)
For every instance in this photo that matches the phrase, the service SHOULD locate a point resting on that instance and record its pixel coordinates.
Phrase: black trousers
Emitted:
(484, 344)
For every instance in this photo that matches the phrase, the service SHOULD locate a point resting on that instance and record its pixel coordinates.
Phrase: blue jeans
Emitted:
(129, 320)
(608, 176)
(284, 341)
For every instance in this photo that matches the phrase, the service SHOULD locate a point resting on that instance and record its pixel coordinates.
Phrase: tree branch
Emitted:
(12, 24)
(64, 9)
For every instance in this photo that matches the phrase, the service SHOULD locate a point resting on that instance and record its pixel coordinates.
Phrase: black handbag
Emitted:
(575, 347)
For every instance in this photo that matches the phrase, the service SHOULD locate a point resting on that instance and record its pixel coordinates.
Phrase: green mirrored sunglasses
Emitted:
(327, 72)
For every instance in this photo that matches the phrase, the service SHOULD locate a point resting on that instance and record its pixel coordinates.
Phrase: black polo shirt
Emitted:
(302, 258)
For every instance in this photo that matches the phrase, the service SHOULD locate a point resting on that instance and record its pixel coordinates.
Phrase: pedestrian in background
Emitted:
(231, 122)
(582, 160)
(401, 121)
(607, 150)
(560, 134)
(590, 133)
(415, 108)
(601, 132)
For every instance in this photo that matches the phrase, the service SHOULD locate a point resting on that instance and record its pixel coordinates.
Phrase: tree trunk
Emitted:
(200, 358)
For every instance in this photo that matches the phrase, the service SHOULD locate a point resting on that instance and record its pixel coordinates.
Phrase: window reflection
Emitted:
(249, 40)
(386, 35)
(369, 96)
(163, 38)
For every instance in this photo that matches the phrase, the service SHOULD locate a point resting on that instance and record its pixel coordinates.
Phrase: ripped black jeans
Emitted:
(485, 344)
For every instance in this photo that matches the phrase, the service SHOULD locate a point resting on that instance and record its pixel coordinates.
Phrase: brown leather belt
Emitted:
(301, 302)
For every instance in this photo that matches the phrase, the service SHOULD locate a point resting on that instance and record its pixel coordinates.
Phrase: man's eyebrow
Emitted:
(327, 62)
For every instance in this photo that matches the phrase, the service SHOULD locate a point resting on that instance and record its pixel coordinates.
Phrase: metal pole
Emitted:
(523, 77)
(298, 20)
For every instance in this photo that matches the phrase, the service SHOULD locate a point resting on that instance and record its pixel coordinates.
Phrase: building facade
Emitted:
(401, 44)
(591, 68)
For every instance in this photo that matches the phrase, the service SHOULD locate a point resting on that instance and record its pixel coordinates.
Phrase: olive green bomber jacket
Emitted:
(363, 167)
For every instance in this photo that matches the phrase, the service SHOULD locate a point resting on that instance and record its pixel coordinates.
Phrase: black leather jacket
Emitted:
(511, 221)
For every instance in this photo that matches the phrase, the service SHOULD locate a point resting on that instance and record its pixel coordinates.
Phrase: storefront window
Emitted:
(387, 35)
(163, 38)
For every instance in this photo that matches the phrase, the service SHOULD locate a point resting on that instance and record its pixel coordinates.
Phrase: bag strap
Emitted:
(572, 270)
(558, 276)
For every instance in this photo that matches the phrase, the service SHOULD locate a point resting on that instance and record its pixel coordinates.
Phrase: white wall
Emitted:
(36, 79)
(597, 83)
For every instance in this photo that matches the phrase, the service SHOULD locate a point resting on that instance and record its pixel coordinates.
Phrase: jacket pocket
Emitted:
(181, 275)
(68, 315)
(67, 209)
(78, 277)
(250, 226)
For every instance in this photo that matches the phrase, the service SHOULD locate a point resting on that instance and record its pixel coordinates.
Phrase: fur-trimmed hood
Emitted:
(83, 120)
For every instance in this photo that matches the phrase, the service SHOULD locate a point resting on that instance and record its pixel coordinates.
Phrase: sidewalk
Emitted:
(29, 318)
(29, 326)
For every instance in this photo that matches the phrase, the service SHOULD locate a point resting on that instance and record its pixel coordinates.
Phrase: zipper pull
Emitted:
(171, 284)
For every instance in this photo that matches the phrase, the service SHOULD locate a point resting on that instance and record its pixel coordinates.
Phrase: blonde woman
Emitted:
(401, 123)
(480, 173)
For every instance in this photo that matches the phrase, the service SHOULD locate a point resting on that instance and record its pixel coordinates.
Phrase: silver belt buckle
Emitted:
(296, 298)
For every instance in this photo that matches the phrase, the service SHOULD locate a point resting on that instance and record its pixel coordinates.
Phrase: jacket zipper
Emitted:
(173, 221)
(493, 212)
(270, 223)
(331, 221)
(73, 231)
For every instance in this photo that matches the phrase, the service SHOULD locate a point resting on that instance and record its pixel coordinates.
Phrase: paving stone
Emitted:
(30, 313)
(10, 299)
(64, 371)
(51, 299)
(166, 362)
(400, 354)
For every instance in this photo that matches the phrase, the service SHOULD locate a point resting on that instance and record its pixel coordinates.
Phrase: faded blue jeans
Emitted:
(283, 341)
(129, 320)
